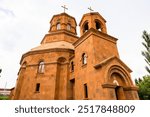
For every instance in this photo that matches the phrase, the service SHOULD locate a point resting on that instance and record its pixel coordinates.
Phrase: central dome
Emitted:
(53, 45)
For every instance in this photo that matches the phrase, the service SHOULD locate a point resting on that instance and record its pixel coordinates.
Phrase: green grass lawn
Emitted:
(4, 97)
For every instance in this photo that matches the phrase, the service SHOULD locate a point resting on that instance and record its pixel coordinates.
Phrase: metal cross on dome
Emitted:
(90, 9)
(65, 8)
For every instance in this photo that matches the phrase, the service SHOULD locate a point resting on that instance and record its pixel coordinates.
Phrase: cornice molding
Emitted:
(65, 32)
(106, 61)
(97, 33)
(45, 51)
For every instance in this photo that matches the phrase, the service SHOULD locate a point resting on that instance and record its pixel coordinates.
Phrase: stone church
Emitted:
(70, 67)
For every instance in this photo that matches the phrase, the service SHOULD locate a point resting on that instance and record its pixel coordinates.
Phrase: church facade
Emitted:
(67, 67)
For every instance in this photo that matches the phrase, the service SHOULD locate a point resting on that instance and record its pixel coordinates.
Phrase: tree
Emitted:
(144, 87)
(146, 53)
(144, 84)
(4, 97)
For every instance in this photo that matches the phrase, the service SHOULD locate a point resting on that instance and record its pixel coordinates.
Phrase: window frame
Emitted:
(85, 27)
(84, 59)
(72, 66)
(86, 91)
(41, 67)
(98, 25)
(37, 88)
(24, 65)
(69, 27)
(58, 26)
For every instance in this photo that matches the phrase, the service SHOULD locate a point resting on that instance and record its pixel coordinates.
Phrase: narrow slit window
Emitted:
(37, 87)
(72, 66)
(84, 58)
(85, 91)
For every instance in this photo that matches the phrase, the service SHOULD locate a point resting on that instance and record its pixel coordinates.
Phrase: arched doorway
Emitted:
(118, 80)
(119, 93)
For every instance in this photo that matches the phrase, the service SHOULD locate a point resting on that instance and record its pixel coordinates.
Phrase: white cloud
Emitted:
(6, 12)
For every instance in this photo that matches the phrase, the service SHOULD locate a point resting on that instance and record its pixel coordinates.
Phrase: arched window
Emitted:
(84, 58)
(58, 26)
(86, 27)
(24, 64)
(41, 67)
(68, 27)
(98, 26)
(72, 66)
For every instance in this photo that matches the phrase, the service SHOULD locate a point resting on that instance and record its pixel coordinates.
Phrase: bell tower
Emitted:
(99, 71)
(92, 20)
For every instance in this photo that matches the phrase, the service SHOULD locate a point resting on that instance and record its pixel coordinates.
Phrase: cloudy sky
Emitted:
(23, 24)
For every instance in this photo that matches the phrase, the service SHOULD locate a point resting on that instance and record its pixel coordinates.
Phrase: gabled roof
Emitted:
(106, 61)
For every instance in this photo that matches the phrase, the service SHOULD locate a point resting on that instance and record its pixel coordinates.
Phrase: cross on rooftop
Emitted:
(65, 8)
(90, 9)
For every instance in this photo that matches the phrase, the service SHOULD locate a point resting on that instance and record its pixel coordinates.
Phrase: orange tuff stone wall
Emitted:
(80, 68)
(53, 71)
